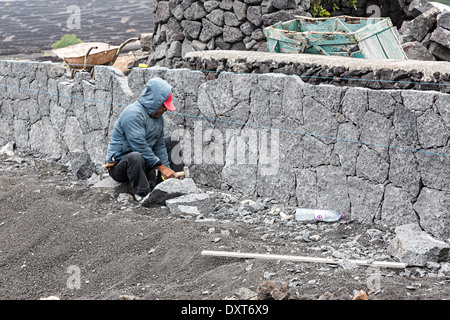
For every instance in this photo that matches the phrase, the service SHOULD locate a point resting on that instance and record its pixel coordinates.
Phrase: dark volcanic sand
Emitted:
(33, 26)
(50, 224)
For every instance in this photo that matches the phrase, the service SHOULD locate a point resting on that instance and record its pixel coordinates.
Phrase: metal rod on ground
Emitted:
(385, 264)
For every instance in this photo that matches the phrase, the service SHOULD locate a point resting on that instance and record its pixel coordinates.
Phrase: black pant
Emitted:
(132, 168)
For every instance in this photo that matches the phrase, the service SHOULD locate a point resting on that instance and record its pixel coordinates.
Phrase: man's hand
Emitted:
(166, 172)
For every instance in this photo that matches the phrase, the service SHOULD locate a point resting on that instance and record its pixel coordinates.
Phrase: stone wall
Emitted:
(319, 69)
(374, 155)
(182, 26)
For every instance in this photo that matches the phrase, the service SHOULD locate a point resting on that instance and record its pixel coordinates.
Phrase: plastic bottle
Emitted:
(303, 214)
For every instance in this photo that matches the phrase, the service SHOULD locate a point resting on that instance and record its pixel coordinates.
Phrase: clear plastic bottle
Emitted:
(304, 214)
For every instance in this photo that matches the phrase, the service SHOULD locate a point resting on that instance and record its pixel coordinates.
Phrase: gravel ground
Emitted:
(58, 237)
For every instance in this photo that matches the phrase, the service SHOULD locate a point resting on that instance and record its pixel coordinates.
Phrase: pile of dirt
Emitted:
(60, 238)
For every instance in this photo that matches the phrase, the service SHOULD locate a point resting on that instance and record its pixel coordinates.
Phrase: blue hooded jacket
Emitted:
(136, 130)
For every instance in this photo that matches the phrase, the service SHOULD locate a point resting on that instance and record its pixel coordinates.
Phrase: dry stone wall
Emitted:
(182, 26)
(317, 69)
(374, 155)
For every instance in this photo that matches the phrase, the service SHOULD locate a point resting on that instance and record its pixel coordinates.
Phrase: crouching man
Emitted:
(138, 146)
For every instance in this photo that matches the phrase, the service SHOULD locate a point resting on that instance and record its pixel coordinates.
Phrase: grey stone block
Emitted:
(267, 6)
(174, 31)
(241, 177)
(397, 207)
(195, 12)
(346, 148)
(109, 186)
(443, 20)
(423, 24)
(332, 190)
(174, 50)
(371, 166)
(247, 28)
(404, 170)
(439, 51)
(431, 130)
(441, 36)
(315, 152)
(435, 168)
(201, 201)
(417, 51)
(185, 3)
(355, 104)
(168, 189)
(416, 247)
(230, 19)
(417, 102)
(178, 12)
(160, 51)
(433, 207)
(21, 134)
(306, 188)
(56, 70)
(365, 198)
(103, 78)
(258, 34)
(146, 41)
(73, 135)
(162, 12)
(272, 179)
(52, 146)
(94, 144)
(285, 4)
(254, 15)
(417, 7)
(216, 17)
(382, 102)
(24, 69)
(442, 102)
(80, 164)
(317, 113)
(405, 126)
(186, 47)
(240, 10)
(198, 45)
(209, 30)
(376, 131)
(211, 5)
(282, 15)
(232, 34)
(5, 130)
(226, 4)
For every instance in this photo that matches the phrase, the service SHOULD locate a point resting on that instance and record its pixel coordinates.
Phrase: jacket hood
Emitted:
(155, 94)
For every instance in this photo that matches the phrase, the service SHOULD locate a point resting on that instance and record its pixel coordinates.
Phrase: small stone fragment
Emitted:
(361, 295)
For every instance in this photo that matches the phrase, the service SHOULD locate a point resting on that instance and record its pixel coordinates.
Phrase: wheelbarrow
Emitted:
(84, 56)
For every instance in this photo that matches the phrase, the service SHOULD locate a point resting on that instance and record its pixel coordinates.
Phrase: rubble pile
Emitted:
(426, 33)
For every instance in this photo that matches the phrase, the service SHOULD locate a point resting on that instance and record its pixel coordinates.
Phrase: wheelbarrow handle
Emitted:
(123, 45)
(86, 56)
